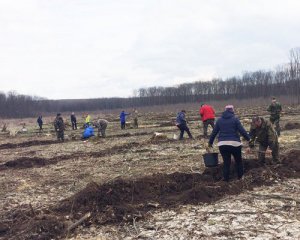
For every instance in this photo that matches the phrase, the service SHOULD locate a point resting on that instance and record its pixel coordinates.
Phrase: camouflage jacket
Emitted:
(101, 123)
(59, 124)
(265, 135)
(275, 109)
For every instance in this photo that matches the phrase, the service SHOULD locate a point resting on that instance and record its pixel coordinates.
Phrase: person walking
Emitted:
(101, 124)
(123, 116)
(59, 127)
(265, 135)
(275, 110)
(40, 122)
(73, 121)
(229, 127)
(207, 114)
(181, 123)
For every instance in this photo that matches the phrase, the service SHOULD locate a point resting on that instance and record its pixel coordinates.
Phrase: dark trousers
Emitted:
(123, 124)
(74, 125)
(226, 152)
(207, 122)
(182, 128)
(41, 127)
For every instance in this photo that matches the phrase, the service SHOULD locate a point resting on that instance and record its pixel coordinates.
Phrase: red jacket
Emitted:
(207, 112)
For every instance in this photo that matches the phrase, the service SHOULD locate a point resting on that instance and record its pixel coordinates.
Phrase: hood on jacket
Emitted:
(227, 114)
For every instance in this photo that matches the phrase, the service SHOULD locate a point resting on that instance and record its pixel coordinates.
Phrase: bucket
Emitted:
(210, 159)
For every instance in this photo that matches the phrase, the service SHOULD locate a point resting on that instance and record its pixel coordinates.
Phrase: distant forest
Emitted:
(285, 80)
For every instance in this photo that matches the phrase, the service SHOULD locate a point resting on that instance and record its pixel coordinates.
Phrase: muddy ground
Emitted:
(133, 186)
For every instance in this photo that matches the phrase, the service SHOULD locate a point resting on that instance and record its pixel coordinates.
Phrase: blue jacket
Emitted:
(180, 119)
(88, 132)
(228, 127)
(123, 116)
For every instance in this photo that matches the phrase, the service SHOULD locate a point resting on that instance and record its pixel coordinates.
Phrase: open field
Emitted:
(132, 186)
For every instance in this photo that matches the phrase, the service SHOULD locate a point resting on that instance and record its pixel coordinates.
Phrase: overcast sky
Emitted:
(62, 49)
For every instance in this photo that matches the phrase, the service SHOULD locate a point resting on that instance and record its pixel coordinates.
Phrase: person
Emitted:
(88, 132)
(101, 124)
(207, 114)
(264, 134)
(135, 118)
(73, 121)
(275, 111)
(123, 115)
(229, 127)
(87, 120)
(40, 122)
(181, 123)
(59, 127)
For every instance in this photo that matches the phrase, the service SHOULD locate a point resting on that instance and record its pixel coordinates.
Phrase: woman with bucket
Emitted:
(228, 127)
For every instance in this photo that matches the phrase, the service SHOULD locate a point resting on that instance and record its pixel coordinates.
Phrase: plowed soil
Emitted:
(47, 186)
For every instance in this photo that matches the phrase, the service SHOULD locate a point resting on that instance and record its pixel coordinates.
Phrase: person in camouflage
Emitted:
(101, 124)
(262, 132)
(135, 118)
(59, 127)
(275, 110)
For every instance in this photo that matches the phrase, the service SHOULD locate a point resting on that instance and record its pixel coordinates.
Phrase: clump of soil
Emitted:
(292, 125)
(24, 223)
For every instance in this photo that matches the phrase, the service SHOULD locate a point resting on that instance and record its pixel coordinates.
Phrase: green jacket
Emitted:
(264, 135)
(275, 110)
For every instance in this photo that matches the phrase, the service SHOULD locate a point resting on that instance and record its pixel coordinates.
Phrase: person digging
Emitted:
(263, 132)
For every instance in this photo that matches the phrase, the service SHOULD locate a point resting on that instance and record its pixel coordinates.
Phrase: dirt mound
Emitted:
(125, 199)
(26, 162)
(26, 144)
(292, 125)
(28, 226)
(128, 199)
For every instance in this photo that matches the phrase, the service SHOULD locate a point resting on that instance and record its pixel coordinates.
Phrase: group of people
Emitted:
(229, 128)
(100, 124)
(123, 116)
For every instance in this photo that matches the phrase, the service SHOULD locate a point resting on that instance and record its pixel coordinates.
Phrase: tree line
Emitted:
(285, 80)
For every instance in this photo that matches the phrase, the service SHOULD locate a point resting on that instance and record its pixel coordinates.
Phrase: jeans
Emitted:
(226, 152)
(183, 127)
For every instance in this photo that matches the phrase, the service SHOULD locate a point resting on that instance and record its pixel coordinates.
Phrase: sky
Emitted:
(75, 49)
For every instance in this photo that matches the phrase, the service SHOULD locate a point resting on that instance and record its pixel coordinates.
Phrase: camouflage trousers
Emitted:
(60, 135)
(262, 153)
(275, 122)
(102, 130)
(135, 122)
